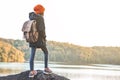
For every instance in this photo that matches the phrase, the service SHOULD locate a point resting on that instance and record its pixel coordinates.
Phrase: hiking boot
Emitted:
(47, 70)
(32, 73)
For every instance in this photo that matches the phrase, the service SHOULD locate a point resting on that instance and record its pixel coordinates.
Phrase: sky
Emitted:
(80, 22)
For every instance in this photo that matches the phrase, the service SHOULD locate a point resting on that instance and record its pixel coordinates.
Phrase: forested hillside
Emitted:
(70, 53)
(8, 53)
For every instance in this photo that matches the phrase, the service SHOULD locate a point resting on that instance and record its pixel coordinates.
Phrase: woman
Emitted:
(41, 43)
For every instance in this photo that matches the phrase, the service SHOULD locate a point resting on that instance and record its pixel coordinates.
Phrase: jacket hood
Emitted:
(32, 16)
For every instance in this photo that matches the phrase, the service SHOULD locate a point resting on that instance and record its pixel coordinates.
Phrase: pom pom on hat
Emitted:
(39, 9)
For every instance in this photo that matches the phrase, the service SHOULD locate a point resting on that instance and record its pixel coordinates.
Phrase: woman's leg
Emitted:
(33, 50)
(44, 49)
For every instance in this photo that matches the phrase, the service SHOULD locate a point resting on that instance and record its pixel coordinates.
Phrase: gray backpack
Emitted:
(30, 32)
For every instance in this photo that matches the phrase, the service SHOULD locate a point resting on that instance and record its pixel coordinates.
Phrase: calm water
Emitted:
(73, 72)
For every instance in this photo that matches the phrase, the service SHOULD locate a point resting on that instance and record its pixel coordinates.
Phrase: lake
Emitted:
(73, 72)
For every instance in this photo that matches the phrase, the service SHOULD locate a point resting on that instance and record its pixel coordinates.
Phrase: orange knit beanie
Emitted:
(39, 9)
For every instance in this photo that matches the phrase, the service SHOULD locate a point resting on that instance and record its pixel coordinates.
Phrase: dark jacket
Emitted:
(41, 29)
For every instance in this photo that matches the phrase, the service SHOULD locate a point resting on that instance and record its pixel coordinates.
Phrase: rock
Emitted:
(40, 76)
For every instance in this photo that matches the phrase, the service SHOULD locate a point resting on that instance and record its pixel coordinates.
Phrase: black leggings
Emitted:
(33, 50)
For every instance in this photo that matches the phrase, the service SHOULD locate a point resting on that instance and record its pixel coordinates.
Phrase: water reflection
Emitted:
(73, 72)
(4, 71)
(89, 74)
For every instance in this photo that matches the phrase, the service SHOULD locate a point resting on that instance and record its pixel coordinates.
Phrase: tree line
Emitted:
(70, 53)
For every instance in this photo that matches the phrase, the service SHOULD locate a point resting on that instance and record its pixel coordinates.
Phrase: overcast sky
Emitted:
(81, 22)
